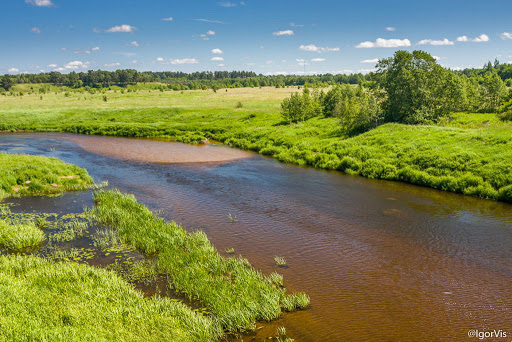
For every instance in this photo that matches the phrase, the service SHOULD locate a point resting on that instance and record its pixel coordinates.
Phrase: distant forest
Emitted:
(176, 80)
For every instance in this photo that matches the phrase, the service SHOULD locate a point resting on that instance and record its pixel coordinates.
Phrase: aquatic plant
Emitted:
(280, 261)
(281, 335)
(275, 279)
(232, 218)
(234, 293)
(230, 250)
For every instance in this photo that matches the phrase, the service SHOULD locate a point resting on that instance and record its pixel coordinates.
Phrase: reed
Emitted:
(17, 237)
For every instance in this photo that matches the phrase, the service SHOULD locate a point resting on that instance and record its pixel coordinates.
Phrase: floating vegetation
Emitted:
(280, 261)
(281, 335)
(105, 238)
(140, 271)
(70, 255)
(230, 250)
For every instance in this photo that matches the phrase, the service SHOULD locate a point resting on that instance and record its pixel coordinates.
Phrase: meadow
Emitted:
(464, 153)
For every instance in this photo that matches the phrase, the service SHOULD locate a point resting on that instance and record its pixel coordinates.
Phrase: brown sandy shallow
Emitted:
(156, 151)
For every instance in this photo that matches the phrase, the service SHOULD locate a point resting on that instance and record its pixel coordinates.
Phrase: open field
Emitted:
(467, 153)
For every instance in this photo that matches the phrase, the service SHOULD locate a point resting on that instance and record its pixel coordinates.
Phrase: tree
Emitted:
(418, 89)
(493, 91)
(7, 82)
(301, 107)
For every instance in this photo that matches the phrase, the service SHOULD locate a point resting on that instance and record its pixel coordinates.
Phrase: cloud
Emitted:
(122, 28)
(210, 33)
(111, 65)
(35, 30)
(159, 59)
(74, 65)
(296, 25)
(40, 3)
(168, 19)
(481, 38)
(370, 61)
(227, 4)
(283, 33)
(384, 43)
(318, 60)
(52, 65)
(217, 59)
(134, 43)
(221, 65)
(96, 48)
(436, 58)
(184, 61)
(435, 42)
(13, 70)
(391, 29)
(276, 73)
(209, 21)
(506, 35)
(217, 51)
(314, 48)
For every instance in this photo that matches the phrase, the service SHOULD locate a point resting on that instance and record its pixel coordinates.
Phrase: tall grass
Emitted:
(16, 236)
(44, 301)
(234, 292)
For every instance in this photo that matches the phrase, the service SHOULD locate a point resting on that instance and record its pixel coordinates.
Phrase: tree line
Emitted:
(407, 88)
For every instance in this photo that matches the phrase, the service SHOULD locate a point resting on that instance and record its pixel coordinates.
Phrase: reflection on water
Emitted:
(382, 261)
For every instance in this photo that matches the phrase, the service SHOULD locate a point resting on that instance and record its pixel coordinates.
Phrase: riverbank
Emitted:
(97, 300)
(468, 154)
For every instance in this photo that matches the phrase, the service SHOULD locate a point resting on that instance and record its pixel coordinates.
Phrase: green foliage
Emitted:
(493, 92)
(44, 301)
(236, 294)
(301, 107)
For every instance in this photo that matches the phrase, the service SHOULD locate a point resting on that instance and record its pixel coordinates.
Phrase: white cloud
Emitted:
(122, 28)
(227, 4)
(217, 51)
(436, 58)
(217, 59)
(384, 43)
(184, 61)
(52, 65)
(209, 21)
(13, 70)
(111, 65)
(371, 61)
(35, 30)
(96, 48)
(365, 71)
(168, 19)
(435, 42)
(76, 65)
(391, 29)
(283, 33)
(314, 48)
(506, 35)
(134, 43)
(296, 25)
(40, 3)
(318, 60)
(159, 59)
(276, 73)
(221, 65)
(210, 33)
(481, 38)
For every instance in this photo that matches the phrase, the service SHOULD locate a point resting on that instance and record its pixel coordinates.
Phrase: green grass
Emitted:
(36, 175)
(44, 301)
(15, 237)
(466, 153)
(234, 293)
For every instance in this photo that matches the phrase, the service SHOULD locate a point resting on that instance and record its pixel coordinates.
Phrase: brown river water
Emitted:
(381, 261)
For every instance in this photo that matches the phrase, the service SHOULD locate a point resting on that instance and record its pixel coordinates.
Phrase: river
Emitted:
(381, 261)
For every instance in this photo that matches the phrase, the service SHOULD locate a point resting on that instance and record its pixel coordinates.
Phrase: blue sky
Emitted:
(265, 36)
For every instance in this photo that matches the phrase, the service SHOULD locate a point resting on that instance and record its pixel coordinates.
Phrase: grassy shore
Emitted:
(22, 175)
(234, 293)
(466, 153)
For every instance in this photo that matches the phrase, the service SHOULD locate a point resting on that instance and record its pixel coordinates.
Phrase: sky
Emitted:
(264, 36)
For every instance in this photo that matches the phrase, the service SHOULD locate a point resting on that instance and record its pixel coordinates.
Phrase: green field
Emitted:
(466, 153)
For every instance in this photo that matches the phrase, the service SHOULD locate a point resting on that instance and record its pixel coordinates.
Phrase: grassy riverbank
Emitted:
(22, 175)
(469, 153)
